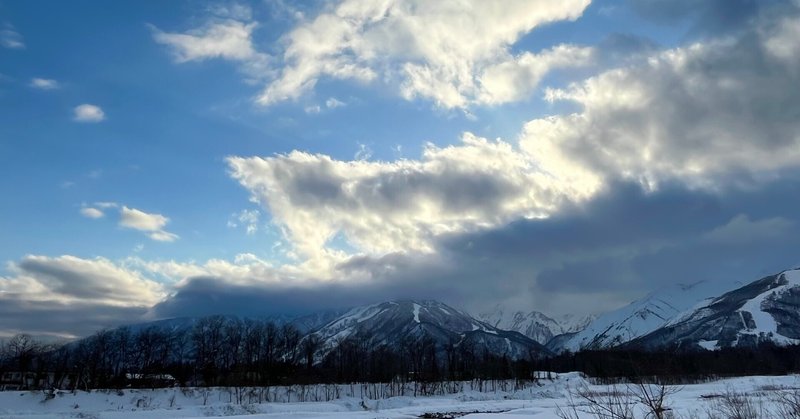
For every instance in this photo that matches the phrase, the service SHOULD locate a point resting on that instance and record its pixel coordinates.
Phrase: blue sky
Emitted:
(272, 149)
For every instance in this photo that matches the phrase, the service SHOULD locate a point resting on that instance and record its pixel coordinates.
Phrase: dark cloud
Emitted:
(620, 245)
(56, 319)
(202, 296)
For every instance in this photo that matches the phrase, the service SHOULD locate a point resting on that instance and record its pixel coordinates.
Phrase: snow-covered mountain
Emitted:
(534, 324)
(641, 317)
(705, 315)
(398, 323)
(765, 310)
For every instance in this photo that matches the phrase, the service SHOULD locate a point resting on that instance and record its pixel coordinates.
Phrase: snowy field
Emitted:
(537, 401)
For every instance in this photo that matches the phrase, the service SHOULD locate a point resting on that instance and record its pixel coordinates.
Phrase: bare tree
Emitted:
(654, 397)
(788, 404)
(310, 345)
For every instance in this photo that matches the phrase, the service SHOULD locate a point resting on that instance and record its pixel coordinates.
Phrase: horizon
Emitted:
(257, 158)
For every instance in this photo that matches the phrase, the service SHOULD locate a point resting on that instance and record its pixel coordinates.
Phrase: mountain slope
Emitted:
(765, 310)
(399, 323)
(534, 324)
(641, 317)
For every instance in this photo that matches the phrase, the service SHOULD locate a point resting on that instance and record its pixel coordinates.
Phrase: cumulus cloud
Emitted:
(702, 114)
(93, 292)
(514, 79)
(635, 180)
(88, 113)
(10, 38)
(151, 223)
(390, 206)
(433, 50)
(696, 113)
(44, 84)
(90, 212)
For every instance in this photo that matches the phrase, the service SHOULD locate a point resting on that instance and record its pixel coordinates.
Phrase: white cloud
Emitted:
(333, 103)
(236, 11)
(394, 206)
(244, 269)
(313, 109)
(163, 236)
(434, 50)
(140, 220)
(695, 114)
(88, 113)
(71, 279)
(90, 212)
(44, 84)
(364, 152)
(153, 224)
(249, 219)
(228, 39)
(10, 38)
(516, 78)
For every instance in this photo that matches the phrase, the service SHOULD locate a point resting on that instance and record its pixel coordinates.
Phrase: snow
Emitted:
(765, 324)
(646, 315)
(709, 345)
(538, 401)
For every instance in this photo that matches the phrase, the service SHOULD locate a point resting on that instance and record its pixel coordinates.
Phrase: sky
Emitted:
(186, 158)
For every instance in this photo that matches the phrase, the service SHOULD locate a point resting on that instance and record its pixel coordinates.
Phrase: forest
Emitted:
(224, 351)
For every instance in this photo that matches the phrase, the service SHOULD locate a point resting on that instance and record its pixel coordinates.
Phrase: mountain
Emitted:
(767, 310)
(534, 324)
(398, 323)
(705, 315)
(304, 323)
(640, 317)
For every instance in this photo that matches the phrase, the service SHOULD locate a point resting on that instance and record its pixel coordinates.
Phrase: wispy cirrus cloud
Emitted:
(10, 38)
(229, 39)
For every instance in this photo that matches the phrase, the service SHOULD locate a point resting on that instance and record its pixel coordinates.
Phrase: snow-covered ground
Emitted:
(539, 401)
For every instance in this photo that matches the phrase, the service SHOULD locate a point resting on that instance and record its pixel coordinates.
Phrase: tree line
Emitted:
(227, 351)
